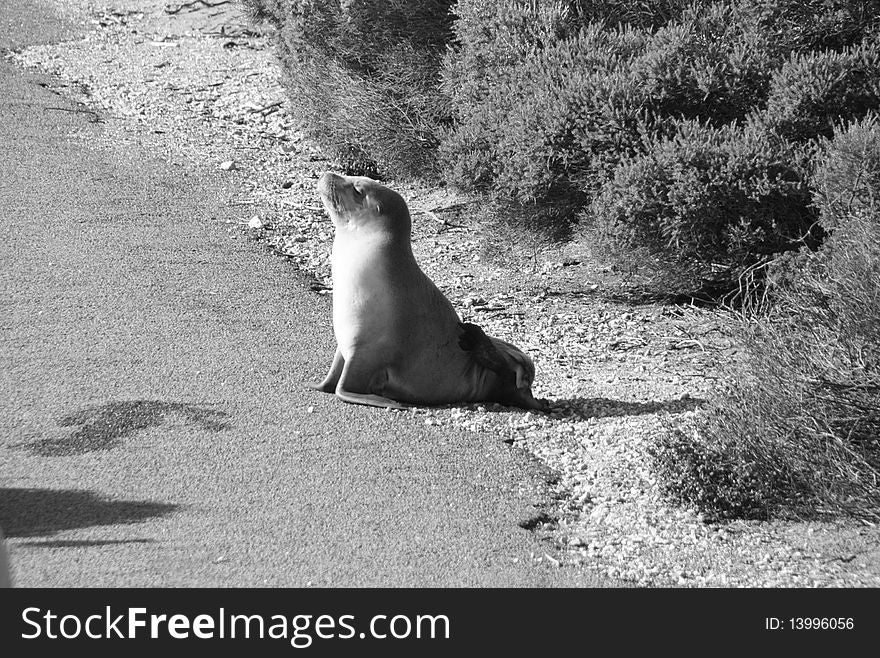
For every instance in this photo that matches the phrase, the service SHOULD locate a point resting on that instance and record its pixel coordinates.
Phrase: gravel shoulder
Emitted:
(196, 82)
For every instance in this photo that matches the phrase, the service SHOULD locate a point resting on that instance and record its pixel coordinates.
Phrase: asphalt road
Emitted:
(157, 429)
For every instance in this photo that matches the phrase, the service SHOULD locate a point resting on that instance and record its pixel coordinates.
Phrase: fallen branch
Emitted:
(266, 109)
(173, 9)
(445, 223)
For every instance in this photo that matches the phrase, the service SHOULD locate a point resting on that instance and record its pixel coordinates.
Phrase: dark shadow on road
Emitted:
(42, 512)
(83, 543)
(104, 427)
(605, 407)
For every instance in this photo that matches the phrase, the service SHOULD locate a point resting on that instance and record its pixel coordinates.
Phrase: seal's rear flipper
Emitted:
(511, 364)
(483, 351)
(514, 368)
(526, 400)
(518, 361)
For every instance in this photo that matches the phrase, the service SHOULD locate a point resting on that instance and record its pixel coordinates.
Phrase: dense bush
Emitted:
(710, 198)
(565, 109)
(649, 14)
(713, 64)
(524, 137)
(801, 423)
(814, 90)
(265, 10)
(361, 77)
(800, 25)
(555, 109)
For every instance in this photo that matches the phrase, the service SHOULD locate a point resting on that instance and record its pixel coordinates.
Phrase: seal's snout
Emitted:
(328, 182)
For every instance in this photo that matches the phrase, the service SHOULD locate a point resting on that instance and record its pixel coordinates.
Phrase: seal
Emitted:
(399, 341)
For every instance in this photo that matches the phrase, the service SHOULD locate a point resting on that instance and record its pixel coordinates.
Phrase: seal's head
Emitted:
(358, 201)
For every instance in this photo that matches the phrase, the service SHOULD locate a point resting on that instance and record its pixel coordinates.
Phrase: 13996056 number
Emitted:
(821, 623)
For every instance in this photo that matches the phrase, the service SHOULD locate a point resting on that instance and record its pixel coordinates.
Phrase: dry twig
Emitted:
(173, 9)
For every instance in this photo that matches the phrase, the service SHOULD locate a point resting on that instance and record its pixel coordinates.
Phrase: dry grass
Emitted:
(798, 429)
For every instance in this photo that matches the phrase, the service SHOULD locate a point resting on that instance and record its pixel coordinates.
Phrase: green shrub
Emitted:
(263, 10)
(547, 104)
(592, 110)
(648, 14)
(709, 198)
(713, 64)
(544, 97)
(844, 283)
(361, 78)
(522, 135)
(815, 90)
(801, 25)
(487, 88)
(563, 110)
(544, 90)
(799, 428)
(846, 181)
(723, 479)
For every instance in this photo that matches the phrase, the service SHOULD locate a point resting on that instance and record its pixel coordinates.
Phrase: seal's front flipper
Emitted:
(369, 399)
(333, 375)
(362, 383)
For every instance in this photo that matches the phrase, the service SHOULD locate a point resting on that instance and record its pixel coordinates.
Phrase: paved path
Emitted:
(156, 426)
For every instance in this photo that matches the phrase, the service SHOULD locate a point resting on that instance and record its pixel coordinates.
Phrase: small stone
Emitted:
(552, 560)
(228, 165)
(255, 222)
(598, 514)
